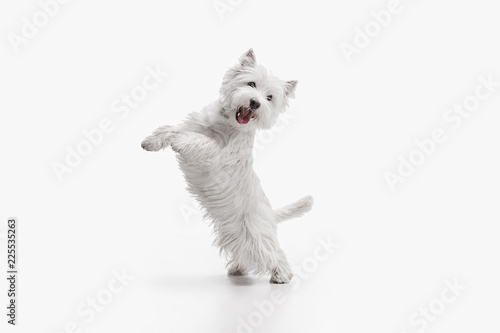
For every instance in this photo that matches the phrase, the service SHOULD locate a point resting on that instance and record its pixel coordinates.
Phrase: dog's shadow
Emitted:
(191, 282)
(242, 280)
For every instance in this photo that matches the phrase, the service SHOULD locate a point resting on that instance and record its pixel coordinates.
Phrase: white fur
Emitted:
(215, 155)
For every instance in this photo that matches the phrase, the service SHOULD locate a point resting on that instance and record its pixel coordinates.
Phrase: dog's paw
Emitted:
(152, 143)
(236, 272)
(280, 277)
(161, 138)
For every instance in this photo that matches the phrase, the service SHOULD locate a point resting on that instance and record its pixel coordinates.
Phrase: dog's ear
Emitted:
(248, 59)
(290, 88)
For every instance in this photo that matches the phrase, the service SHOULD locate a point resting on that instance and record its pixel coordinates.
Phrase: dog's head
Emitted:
(251, 96)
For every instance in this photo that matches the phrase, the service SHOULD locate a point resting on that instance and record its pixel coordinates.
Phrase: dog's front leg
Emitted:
(194, 146)
(160, 138)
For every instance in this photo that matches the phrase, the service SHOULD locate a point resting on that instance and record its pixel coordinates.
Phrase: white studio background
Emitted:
(420, 255)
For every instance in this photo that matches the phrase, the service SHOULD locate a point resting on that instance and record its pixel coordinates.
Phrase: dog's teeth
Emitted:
(238, 114)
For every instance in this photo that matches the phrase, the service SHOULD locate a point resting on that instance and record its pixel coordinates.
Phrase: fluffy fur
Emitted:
(214, 151)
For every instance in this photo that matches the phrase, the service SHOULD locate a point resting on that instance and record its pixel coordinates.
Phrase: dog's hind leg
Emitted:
(282, 273)
(236, 270)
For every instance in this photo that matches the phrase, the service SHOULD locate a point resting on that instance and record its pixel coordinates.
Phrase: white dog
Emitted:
(214, 149)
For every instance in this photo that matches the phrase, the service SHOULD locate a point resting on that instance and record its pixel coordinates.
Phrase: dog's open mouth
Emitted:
(244, 115)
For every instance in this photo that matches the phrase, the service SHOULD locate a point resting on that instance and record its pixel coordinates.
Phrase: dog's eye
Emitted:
(269, 97)
(251, 84)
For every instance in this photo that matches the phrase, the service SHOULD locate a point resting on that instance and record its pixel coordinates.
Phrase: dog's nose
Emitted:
(254, 104)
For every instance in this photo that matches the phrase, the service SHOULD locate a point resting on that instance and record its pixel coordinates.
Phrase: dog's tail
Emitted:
(295, 209)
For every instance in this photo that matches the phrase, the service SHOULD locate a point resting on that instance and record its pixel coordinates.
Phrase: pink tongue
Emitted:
(245, 116)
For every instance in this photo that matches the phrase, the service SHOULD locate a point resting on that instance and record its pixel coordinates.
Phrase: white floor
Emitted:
(172, 280)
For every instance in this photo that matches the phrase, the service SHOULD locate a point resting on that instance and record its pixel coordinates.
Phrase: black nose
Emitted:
(254, 104)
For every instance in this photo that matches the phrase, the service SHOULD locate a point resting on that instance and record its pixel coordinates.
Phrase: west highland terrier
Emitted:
(214, 150)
